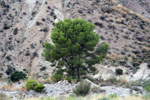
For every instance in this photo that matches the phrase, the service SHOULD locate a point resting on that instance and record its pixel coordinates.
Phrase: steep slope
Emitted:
(139, 6)
(26, 25)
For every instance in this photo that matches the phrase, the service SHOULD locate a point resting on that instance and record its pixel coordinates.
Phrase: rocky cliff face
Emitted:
(26, 24)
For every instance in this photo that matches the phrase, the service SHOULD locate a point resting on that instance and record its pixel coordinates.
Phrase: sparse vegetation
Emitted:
(145, 84)
(112, 80)
(146, 97)
(30, 84)
(4, 97)
(104, 98)
(75, 49)
(82, 89)
(33, 85)
(95, 97)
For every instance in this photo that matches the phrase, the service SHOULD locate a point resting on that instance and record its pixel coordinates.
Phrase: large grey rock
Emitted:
(58, 89)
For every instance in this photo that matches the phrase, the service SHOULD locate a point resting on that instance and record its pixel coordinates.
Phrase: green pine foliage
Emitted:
(74, 46)
(56, 77)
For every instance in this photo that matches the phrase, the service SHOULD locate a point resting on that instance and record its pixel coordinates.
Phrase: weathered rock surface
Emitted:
(121, 91)
(143, 73)
(63, 88)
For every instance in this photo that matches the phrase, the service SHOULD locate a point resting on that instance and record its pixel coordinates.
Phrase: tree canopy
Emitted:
(75, 47)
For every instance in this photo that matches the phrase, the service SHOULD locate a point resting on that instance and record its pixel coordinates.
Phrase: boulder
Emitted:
(62, 88)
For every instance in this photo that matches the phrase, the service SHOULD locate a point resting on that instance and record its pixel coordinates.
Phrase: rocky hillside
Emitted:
(139, 6)
(26, 24)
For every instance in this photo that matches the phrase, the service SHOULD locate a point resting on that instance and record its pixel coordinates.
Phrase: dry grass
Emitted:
(4, 97)
(93, 97)
(13, 87)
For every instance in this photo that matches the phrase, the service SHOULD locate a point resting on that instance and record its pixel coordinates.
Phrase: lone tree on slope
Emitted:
(74, 46)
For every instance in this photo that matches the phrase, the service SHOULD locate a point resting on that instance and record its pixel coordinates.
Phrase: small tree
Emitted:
(74, 46)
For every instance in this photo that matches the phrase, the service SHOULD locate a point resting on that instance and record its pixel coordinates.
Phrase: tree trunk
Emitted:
(73, 72)
(78, 74)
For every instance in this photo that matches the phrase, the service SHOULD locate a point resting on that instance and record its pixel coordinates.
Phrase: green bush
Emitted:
(69, 79)
(56, 77)
(112, 96)
(17, 75)
(145, 84)
(82, 89)
(30, 84)
(147, 87)
(119, 71)
(33, 85)
(39, 87)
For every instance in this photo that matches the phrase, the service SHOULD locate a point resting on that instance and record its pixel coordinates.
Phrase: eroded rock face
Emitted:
(143, 73)
(27, 24)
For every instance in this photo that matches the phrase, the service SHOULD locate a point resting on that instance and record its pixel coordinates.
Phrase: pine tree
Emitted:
(75, 47)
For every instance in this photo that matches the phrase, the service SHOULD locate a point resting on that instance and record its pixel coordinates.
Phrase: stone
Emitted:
(106, 9)
(93, 85)
(58, 89)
